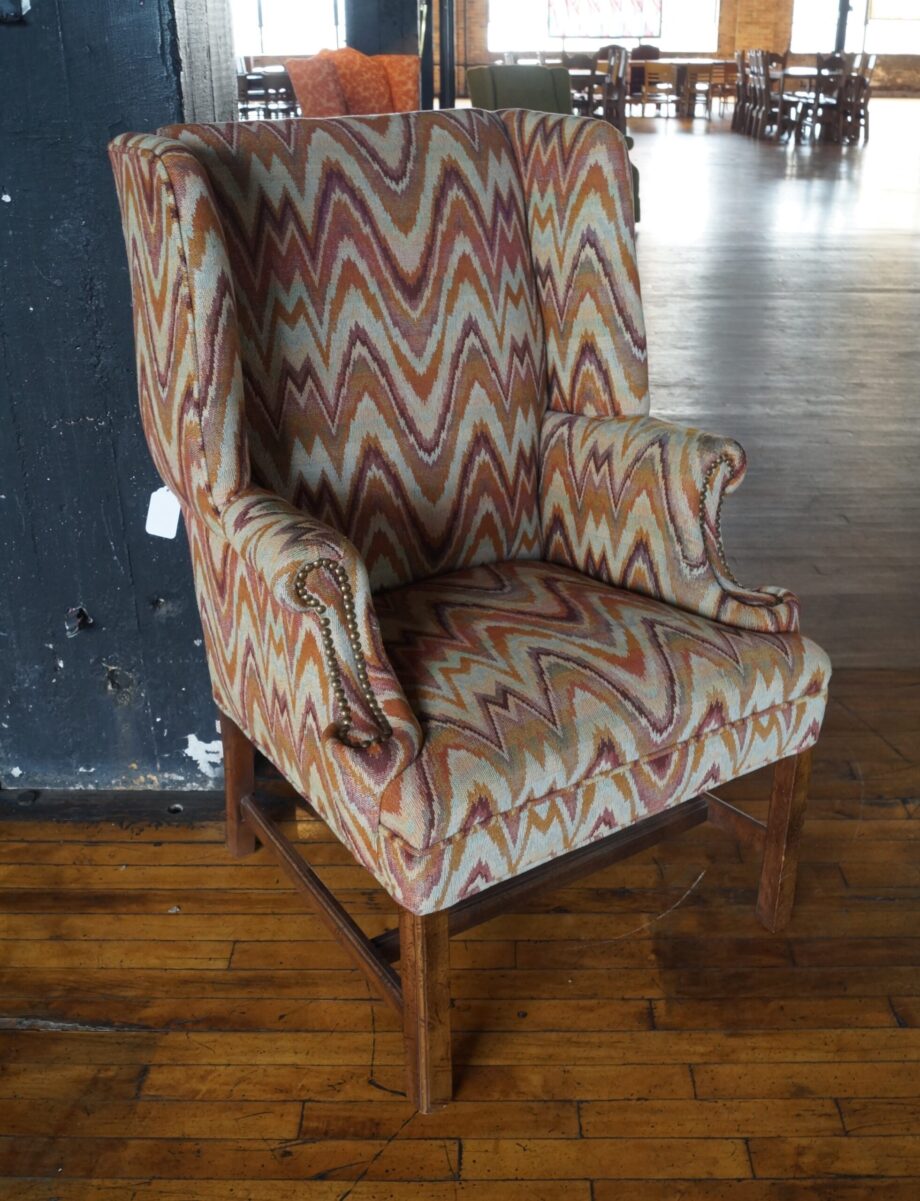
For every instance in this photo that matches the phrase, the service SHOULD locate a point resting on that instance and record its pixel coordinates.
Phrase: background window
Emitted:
(686, 25)
(814, 26)
(281, 27)
(884, 26)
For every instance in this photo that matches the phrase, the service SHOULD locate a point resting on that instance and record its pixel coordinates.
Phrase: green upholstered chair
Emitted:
(544, 89)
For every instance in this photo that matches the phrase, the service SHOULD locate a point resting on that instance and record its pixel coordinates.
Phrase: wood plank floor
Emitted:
(782, 298)
(175, 1026)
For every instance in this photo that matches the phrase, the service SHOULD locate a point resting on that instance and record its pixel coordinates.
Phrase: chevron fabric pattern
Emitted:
(416, 347)
(406, 356)
(578, 188)
(637, 503)
(502, 663)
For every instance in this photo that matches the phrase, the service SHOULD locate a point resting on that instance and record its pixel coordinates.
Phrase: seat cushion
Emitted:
(556, 709)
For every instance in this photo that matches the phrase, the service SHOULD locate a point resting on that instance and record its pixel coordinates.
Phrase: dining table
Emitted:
(636, 69)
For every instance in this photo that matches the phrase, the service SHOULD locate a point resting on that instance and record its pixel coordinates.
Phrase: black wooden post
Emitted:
(448, 93)
(842, 15)
(382, 26)
(426, 37)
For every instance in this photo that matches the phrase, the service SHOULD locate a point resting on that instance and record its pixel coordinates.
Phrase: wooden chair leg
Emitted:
(424, 950)
(784, 831)
(239, 781)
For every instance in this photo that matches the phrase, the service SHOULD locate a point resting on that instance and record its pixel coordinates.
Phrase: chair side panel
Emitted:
(389, 330)
(188, 373)
(578, 192)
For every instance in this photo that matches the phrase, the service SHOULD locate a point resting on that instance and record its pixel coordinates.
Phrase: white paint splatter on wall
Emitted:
(207, 755)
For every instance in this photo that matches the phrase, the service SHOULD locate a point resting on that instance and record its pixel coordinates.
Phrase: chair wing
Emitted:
(317, 703)
(578, 192)
(185, 322)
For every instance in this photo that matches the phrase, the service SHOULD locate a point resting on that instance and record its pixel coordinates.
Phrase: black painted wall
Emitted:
(103, 682)
(392, 27)
(113, 704)
(382, 26)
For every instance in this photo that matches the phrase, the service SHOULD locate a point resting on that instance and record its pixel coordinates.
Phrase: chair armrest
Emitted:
(637, 503)
(313, 569)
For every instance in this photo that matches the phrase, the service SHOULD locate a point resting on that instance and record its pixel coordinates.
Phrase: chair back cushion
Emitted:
(545, 89)
(389, 332)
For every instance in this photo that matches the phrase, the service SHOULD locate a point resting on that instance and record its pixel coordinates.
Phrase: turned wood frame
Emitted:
(420, 991)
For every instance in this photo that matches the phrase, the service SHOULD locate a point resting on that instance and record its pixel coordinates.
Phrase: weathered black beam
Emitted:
(447, 94)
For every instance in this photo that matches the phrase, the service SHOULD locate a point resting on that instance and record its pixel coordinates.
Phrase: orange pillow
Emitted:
(403, 73)
(316, 85)
(363, 80)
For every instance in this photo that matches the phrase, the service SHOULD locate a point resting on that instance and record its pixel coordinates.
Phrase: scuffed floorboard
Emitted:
(175, 1026)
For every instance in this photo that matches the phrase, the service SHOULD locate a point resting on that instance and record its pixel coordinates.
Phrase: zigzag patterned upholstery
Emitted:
(502, 662)
(454, 581)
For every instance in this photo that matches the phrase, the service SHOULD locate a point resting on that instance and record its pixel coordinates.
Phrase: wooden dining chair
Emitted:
(697, 89)
(855, 102)
(659, 87)
(457, 586)
(823, 107)
(615, 87)
(723, 85)
(742, 93)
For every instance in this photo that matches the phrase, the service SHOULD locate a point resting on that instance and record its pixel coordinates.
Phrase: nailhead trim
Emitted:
(707, 484)
(306, 598)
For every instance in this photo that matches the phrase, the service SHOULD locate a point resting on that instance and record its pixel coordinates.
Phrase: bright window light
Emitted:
(283, 27)
(686, 25)
(814, 26)
(884, 26)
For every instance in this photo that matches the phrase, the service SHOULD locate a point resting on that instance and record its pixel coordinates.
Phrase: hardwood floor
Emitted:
(782, 300)
(175, 1026)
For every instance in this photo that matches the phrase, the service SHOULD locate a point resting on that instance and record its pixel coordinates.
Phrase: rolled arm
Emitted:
(637, 503)
(313, 569)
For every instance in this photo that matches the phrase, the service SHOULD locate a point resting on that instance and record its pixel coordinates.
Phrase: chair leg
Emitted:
(425, 973)
(784, 831)
(239, 780)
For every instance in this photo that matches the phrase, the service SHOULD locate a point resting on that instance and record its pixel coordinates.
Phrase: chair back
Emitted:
(742, 91)
(659, 78)
(346, 313)
(724, 76)
(643, 52)
(832, 73)
(698, 85)
(584, 81)
(615, 92)
(545, 89)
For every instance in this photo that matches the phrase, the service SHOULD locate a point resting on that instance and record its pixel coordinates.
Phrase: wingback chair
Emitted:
(512, 85)
(456, 585)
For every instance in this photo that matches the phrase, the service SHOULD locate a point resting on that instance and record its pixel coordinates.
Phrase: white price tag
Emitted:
(163, 514)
